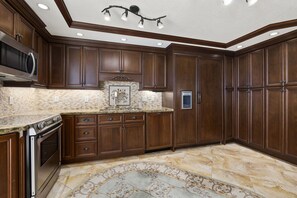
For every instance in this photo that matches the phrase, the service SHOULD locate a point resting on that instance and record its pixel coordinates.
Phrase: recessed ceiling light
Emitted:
(227, 2)
(273, 33)
(123, 39)
(159, 43)
(79, 34)
(42, 6)
(239, 46)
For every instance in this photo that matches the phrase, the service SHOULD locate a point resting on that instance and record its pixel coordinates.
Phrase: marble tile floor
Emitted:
(230, 163)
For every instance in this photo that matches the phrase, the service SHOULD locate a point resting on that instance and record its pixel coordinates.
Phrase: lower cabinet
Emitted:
(134, 138)
(12, 166)
(158, 130)
(110, 139)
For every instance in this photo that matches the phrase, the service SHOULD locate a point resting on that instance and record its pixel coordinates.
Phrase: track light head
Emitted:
(251, 2)
(227, 2)
(141, 23)
(107, 15)
(160, 24)
(125, 16)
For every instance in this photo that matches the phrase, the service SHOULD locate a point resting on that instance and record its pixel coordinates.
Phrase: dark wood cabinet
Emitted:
(185, 119)
(158, 130)
(73, 66)
(57, 66)
(243, 67)
(275, 65)
(7, 19)
(110, 139)
(67, 142)
(134, 137)
(9, 166)
(291, 62)
(257, 69)
(256, 129)
(42, 49)
(131, 62)
(154, 71)
(274, 119)
(243, 114)
(210, 100)
(90, 67)
(25, 32)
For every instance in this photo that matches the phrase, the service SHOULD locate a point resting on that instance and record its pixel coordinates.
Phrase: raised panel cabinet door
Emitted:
(274, 119)
(210, 104)
(7, 19)
(110, 61)
(73, 66)
(243, 115)
(110, 139)
(275, 65)
(9, 166)
(158, 130)
(42, 47)
(257, 117)
(243, 70)
(131, 62)
(291, 62)
(160, 71)
(257, 69)
(90, 67)
(68, 131)
(229, 114)
(57, 65)
(291, 122)
(26, 32)
(133, 137)
(148, 73)
(228, 67)
(185, 119)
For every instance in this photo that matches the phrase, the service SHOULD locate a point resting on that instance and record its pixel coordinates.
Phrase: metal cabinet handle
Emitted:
(86, 148)
(199, 98)
(133, 117)
(86, 133)
(283, 82)
(110, 119)
(86, 120)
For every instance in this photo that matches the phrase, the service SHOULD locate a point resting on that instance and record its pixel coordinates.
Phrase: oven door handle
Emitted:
(51, 131)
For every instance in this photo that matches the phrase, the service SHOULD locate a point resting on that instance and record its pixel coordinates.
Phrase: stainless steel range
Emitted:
(43, 156)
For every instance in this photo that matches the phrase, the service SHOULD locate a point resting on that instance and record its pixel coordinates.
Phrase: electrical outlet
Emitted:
(86, 99)
(10, 100)
(56, 98)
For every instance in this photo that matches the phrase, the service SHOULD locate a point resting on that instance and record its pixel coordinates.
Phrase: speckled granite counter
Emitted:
(18, 123)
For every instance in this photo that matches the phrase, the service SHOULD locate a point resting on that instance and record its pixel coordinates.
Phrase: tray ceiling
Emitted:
(206, 20)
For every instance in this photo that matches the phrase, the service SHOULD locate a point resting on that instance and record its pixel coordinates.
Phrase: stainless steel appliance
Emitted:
(43, 156)
(17, 62)
(186, 100)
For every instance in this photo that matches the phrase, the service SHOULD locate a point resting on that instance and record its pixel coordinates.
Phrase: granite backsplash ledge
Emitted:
(26, 100)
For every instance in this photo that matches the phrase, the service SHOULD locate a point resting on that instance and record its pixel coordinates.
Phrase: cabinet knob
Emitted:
(86, 120)
(133, 117)
(86, 148)
(110, 119)
(86, 133)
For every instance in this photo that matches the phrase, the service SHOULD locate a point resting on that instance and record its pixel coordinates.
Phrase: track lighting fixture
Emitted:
(134, 10)
(249, 2)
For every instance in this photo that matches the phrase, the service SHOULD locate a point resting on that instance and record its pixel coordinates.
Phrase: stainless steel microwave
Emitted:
(17, 62)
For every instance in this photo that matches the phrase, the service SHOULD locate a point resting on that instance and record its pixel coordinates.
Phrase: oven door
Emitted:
(47, 156)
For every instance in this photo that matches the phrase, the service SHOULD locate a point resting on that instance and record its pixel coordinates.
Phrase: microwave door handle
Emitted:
(34, 64)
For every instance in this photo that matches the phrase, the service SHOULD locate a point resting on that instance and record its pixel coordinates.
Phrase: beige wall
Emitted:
(26, 100)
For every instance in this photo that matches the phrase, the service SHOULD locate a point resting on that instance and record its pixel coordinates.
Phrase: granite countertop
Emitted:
(20, 123)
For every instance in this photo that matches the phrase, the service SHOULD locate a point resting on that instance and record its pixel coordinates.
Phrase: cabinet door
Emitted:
(185, 119)
(257, 117)
(131, 62)
(274, 65)
(243, 70)
(158, 130)
(148, 73)
(229, 113)
(57, 65)
(160, 71)
(274, 119)
(290, 122)
(110, 61)
(210, 104)
(133, 138)
(257, 69)
(26, 32)
(7, 19)
(291, 62)
(9, 166)
(90, 67)
(68, 132)
(42, 47)
(110, 139)
(228, 67)
(242, 115)
(73, 66)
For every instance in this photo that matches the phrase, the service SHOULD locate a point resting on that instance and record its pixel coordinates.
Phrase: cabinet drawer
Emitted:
(109, 119)
(134, 117)
(85, 133)
(85, 120)
(86, 149)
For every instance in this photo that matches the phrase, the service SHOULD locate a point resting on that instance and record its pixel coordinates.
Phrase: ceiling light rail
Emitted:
(134, 10)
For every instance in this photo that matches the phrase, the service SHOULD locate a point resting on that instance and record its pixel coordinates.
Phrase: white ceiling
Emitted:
(199, 19)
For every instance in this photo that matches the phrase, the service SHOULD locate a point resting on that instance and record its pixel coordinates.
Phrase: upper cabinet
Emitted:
(291, 62)
(41, 46)
(154, 71)
(120, 65)
(57, 66)
(275, 65)
(243, 71)
(16, 26)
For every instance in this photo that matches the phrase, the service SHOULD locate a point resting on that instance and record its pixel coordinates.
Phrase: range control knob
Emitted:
(56, 119)
(41, 125)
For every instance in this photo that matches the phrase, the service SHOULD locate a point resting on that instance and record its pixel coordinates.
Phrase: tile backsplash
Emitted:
(25, 100)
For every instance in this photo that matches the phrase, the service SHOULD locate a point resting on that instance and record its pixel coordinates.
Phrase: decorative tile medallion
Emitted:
(146, 179)
(119, 95)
